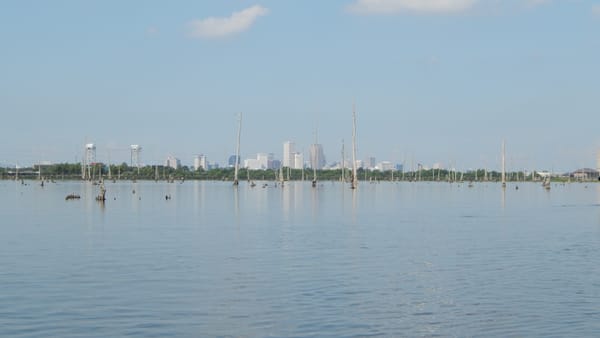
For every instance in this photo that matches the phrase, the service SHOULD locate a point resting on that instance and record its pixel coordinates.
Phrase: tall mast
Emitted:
(354, 184)
(281, 178)
(343, 161)
(237, 153)
(83, 162)
(315, 160)
(503, 164)
(109, 172)
(302, 164)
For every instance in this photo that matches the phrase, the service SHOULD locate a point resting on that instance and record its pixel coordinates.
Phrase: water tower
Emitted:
(136, 150)
(89, 158)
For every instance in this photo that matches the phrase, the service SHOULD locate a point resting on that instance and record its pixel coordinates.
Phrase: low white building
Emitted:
(261, 162)
(385, 166)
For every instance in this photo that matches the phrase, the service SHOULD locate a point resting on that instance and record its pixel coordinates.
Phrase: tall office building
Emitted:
(172, 162)
(598, 160)
(231, 161)
(317, 157)
(371, 163)
(288, 154)
(200, 162)
(264, 160)
(298, 161)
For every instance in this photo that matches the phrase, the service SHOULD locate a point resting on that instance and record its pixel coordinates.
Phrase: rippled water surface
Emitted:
(390, 259)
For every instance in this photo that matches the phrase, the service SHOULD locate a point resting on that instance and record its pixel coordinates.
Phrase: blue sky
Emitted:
(433, 80)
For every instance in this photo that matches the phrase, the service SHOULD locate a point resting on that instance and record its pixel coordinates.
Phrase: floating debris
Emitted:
(72, 197)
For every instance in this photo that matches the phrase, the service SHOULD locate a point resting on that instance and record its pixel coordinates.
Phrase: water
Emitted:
(390, 259)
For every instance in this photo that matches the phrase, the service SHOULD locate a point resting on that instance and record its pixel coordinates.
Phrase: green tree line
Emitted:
(126, 172)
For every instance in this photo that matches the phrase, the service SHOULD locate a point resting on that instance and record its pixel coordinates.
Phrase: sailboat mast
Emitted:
(354, 173)
(503, 164)
(237, 153)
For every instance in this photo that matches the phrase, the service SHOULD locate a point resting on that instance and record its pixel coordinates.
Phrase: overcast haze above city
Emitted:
(434, 81)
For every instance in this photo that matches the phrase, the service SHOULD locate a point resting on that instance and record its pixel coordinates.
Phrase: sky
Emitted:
(433, 81)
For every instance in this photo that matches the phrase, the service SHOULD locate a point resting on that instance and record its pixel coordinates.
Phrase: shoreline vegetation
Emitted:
(73, 171)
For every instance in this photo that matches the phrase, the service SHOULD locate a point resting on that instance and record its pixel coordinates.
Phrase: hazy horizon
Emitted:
(433, 82)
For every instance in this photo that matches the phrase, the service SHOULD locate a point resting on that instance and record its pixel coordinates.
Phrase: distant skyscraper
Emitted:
(200, 162)
(288, 154)
(264, 160)
(317, 157)
(231, 161)
(598, 160)
(371, 163)
(172, 162)
(298, 161)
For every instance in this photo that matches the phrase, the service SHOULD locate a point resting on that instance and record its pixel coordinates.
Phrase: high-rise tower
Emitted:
(317, 157)
(288, 154)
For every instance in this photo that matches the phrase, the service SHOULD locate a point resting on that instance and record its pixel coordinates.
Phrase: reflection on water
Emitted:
(387, 259)
(503, 191)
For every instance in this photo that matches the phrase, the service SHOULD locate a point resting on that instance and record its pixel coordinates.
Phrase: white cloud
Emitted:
(238, 22)
(596, 10)
(414, 6)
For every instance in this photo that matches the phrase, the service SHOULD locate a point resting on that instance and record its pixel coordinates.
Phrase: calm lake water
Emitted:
(390, 260)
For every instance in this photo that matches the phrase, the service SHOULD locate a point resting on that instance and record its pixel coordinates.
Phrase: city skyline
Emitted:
(434, 82)
(269, 161)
